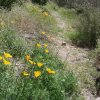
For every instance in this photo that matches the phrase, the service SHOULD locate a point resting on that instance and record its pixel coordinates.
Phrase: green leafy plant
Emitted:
(41, 2)
(6, 3)
(88, 28)
(12, 42)
(47, 85)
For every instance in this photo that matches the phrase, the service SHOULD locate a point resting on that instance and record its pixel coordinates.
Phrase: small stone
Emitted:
(98, 68)
(63, 44)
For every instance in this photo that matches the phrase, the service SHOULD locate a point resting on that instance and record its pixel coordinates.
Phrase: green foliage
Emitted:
(7, 82)
(6, 3)
(69, 13)
(44, 88)
(88, 28)
(11, 42)
(41, 2)
(15, 86)
(58, 86)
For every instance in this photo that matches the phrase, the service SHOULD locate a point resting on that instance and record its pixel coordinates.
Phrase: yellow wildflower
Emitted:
(37, 73)
(1, 57)
(31, 62)
(34, 63)
(27, 57)
(45, 13)
(50, 71)
(43, 32)
(38, 45)
(46, 51)
(40, 64)
(6, 62)
(2, 23)
(25, 73)
(12, 22)
(45, 45)
(7, 55)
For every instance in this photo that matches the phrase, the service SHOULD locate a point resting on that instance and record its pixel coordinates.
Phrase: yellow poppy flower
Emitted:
(46, 51)
(38, 45)
(45, 13)
(1, 57)
(40, 64)
(37, 73)
(45, 45)
(7, 55)
(27, 57)
(6, 62)
(43, 32)
(50, 71)
(31, 62)
(25, 73)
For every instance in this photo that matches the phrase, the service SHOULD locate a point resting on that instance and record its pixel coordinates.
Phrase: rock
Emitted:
(97, 98)
(98, 68)
(63, 44)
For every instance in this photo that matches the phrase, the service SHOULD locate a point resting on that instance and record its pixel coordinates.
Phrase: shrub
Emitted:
(88, 28)
(54, 84)
(10, 41)
(21, 83)
(8, 3)
(41, 2)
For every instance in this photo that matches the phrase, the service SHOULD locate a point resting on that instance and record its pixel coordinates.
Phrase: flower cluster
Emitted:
(38, 67)
(44, 45)
(35, 67)
(5, 58)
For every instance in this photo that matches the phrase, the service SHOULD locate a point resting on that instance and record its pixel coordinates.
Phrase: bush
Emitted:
(88, 28)
(11, 42)
(8, 3)
(20, 82)
(56, 84)
(41, 2)
(28, 88)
